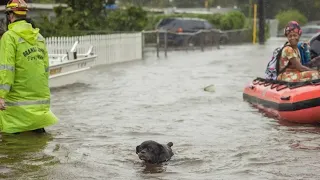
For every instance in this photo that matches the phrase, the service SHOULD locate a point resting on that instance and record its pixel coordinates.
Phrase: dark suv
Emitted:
(179, 26)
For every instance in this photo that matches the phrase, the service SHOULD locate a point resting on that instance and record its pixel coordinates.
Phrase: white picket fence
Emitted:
(112, 48)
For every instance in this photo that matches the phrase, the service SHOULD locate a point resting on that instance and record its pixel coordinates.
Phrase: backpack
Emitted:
(304, 50)
(273, 66)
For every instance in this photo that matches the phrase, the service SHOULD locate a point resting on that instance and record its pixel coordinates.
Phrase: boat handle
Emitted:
(285, 98)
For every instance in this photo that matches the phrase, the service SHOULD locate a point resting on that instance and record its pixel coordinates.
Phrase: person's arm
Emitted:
(292, 56)
(297, 65)
(314, 62)
(7, 65)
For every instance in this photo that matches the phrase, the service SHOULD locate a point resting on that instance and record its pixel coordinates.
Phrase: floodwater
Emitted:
(215, 134)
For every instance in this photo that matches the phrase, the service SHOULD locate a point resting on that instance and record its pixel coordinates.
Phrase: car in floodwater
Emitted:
(184, 32)
(309, 31)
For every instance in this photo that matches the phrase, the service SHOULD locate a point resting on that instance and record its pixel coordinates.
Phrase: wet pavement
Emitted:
(215, 134)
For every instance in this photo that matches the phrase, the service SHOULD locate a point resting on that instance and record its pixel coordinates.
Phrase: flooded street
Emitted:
(215, 135)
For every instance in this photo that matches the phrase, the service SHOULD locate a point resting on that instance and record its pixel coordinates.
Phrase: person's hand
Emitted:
(316, 59)
(313, 62)
(2, 104)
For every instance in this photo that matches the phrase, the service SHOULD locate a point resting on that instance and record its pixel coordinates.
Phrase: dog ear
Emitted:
(161, 148)
(137, 149)
(161, 156)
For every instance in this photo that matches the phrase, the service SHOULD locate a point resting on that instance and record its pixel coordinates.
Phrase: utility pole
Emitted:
(254, 24)
(250, 9)
(262, 23)
(206, 4)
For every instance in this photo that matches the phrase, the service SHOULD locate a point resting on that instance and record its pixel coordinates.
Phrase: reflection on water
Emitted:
(21, 155)
(153, 168)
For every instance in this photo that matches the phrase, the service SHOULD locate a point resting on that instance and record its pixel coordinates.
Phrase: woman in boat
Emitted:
(290, 61)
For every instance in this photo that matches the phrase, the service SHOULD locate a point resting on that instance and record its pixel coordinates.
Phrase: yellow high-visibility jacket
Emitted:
(24, 79)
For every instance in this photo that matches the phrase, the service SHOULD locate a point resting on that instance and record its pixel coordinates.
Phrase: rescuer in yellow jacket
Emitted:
(24, 77)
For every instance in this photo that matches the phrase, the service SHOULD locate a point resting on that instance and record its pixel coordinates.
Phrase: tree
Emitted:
(290, 15)
(94, 6)
(309, 8)
(110, 2)
(90, 17)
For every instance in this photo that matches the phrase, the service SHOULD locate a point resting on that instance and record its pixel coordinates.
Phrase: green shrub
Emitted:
(232, 20)
(290, 15)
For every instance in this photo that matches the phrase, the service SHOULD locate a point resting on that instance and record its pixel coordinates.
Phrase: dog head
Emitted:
(153, 152)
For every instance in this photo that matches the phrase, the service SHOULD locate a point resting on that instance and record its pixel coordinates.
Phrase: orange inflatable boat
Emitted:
(294, 102)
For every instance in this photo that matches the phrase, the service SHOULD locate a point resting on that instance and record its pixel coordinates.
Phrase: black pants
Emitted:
(41, 130)
(38, 131)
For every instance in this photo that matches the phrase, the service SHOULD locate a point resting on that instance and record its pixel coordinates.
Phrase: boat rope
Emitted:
(280, 85)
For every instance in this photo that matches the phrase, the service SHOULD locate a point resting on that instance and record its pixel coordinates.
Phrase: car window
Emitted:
(193, 25)
(170, 24)
(185, 24)
(166, 23)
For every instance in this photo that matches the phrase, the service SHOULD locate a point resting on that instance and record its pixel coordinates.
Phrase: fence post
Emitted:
(158, 43)
(165, 43)
(218, 41)
(142, 44)
(202, 40)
